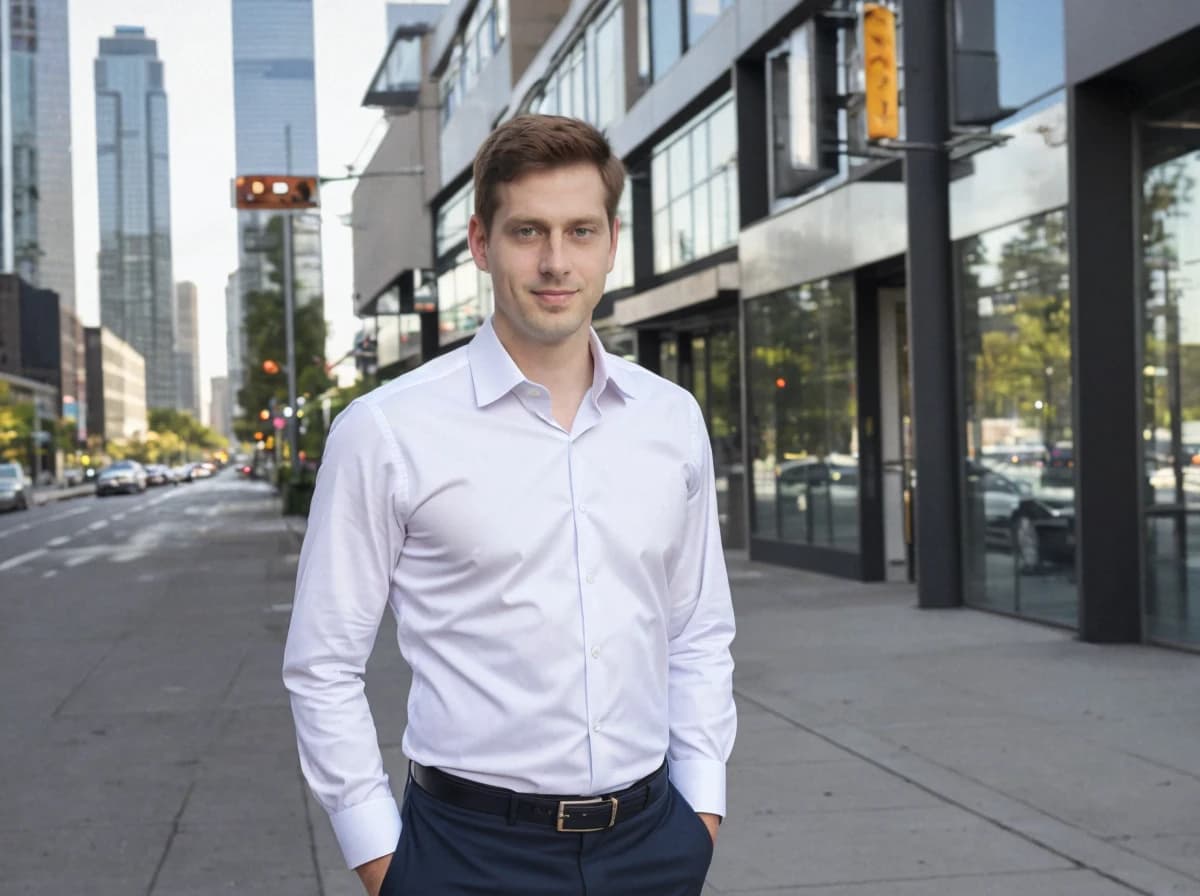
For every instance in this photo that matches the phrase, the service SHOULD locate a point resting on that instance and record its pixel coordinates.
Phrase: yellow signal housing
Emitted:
(882, 77)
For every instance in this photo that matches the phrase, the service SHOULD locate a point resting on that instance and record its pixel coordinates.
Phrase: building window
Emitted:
(1019, 494)
(1170, 307)
(621, 276)
(803, 415)
(669, 28)
(452, 219)
(473, 47)
(1008, 53)
(694, 193)
(589, 83)
(464, 295)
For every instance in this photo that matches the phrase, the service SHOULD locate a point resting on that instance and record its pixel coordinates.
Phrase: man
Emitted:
(540, 517)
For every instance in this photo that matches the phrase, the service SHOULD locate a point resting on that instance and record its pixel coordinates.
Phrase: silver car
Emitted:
(124, 476)
(14, 488)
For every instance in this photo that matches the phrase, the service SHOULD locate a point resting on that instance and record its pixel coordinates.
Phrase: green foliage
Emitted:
(264, 326)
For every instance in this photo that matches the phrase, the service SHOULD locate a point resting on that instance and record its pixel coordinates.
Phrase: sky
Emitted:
(195, 45)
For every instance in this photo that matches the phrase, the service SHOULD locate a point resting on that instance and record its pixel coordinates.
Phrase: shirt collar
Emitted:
(495, 374)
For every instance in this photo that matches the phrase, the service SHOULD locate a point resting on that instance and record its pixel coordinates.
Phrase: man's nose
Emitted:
(553, 262)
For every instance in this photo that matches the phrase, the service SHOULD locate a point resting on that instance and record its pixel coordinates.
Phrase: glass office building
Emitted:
(137, 290)
(275, 116)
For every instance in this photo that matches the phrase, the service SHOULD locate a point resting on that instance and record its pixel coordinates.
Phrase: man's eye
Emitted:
(526, 232)
(584, 231)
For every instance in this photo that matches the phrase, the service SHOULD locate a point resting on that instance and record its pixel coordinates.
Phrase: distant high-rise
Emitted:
(187, 348)
(220, 413)
(275, 111)
(137, 291)
(6, 160)
(235, 336)
(56, 203)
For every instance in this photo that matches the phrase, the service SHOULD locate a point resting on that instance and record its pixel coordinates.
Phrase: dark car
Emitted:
(1038, 528)
(126, 476)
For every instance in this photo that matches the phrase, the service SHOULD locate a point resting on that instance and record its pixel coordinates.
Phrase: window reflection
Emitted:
(693, 181)
(1019, 495)
(1170, 296)
(803, 415)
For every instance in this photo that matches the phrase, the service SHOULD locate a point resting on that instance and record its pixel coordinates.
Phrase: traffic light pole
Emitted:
(289, 335)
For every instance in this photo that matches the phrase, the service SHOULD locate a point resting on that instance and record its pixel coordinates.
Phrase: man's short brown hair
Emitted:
(536, 143)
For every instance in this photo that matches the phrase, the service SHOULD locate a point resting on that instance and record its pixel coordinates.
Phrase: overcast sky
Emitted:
(195, 45)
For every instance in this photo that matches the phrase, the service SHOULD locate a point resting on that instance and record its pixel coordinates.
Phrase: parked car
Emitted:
(1038, 528)
(73, 476)
(14, 488)
(157, 474)
(126, 476)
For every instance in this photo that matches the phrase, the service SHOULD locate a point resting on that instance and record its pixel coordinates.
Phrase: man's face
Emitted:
(548, 250)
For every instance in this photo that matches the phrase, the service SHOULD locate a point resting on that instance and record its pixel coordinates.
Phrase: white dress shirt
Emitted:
(561, 597)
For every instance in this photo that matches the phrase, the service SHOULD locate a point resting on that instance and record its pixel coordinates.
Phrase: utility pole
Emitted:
(289, 336)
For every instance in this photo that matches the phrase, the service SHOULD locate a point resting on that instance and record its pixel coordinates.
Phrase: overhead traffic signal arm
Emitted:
(275, 192)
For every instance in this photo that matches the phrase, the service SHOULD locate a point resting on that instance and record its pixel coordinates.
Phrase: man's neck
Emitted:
(565, 368)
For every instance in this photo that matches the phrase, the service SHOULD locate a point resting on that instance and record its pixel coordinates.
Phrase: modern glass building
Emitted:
(275, 113)
(187, 347)
(972, 373)
(53, 265)
(137, 290)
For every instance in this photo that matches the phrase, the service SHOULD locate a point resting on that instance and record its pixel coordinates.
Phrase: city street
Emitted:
(147, 745)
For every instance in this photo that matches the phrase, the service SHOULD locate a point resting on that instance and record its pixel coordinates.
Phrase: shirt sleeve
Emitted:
(352, 544)
(703, 719)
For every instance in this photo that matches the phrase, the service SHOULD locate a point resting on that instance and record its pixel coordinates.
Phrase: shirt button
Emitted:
(591, 579)
(596, 727)
(583, 508)
(596, 653)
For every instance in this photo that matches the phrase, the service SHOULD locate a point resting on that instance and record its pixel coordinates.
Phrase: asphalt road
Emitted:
(146, 745)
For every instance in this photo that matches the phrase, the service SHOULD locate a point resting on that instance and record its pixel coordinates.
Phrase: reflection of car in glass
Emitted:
(1060, 466)
(1039, 528)
(14, 488)
(837, 474)
(124, 476)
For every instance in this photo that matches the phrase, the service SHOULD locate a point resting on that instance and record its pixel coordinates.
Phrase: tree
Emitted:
(264, 327)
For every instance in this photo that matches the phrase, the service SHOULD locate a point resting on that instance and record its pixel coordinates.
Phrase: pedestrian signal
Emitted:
(882, 78)
(273, 192)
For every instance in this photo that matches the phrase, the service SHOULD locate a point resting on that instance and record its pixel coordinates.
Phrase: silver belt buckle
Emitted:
(564, 805)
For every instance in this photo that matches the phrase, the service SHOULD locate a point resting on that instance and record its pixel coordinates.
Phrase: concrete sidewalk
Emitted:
(890, 751)
(883, 751)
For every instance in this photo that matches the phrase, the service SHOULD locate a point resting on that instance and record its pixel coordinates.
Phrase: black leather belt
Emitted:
(570, 814)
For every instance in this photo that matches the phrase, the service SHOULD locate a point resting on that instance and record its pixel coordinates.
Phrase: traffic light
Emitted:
(882, 85)
(270, 367)
(274, 192)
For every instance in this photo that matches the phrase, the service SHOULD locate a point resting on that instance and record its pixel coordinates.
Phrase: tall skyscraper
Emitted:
(56, 206)
(39, 115)
(187, 348)
(276, 133)
(137, 291)
(6, 160)
(235, 336)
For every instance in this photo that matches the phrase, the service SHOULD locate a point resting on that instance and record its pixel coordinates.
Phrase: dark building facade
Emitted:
(962, 357)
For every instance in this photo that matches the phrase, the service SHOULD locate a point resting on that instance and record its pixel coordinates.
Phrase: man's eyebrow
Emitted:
(526, 221)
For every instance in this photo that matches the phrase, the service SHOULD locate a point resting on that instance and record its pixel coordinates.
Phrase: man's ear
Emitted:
(477, 239)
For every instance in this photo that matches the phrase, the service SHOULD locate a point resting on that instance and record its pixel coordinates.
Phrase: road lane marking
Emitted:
(58, 542)
(97, 526)
(118, 517)
(22, 558)
(79, 559)
(24, 527)
(50, 573)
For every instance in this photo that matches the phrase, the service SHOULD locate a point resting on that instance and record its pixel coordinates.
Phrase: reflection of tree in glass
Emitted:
(1018, 317)
(803, 394)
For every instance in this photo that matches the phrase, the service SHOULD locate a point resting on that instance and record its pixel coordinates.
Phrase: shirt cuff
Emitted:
(702, 784)
(367, 831)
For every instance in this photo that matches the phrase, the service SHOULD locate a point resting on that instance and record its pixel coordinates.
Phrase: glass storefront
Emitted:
(1170, 301)
(1019, 495)
(803, 415)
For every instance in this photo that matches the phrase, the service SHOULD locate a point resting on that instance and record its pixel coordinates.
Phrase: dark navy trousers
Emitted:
(664, 850)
